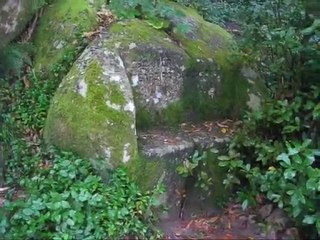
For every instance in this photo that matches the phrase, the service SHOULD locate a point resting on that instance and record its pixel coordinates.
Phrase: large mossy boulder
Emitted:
(216, 86)
(60, 30)
(93, 112)
(14, 16)
(183, 76)
(155, 64)
(169, 77)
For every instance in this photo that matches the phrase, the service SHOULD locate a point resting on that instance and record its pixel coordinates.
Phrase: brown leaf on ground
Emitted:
(220, 125)
(91, 35)
(106, 17)
(208, 125)
(26, 82)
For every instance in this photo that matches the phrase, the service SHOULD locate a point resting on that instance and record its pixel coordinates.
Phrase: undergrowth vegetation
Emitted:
(65, 199)
(275, 154)
(56, 195)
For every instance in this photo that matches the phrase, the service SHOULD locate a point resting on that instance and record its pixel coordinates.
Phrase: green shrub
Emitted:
(66, 200)
(219, 12)
(275, 42)
(276, 153)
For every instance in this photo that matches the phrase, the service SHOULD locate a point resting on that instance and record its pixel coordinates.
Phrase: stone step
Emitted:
(166, 143)
(165, 149)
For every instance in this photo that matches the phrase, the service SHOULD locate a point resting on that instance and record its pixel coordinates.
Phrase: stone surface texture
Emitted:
(14, 16)
(93, 112)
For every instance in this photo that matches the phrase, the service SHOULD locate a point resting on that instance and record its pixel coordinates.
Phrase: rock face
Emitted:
(162, 151)
(93, 112)
(180, 76)
(169, 78)
(14, 15)
(155, 65)
(60, 29)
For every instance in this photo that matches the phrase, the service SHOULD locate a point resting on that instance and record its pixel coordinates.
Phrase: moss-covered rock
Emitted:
(182, 76)
(172, 77)
(14, 16)
(215, 86)
(93, 112)
(155, 64)
(60, 29)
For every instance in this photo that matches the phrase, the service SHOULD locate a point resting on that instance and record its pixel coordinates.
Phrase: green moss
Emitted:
(62, 24)
(95, 127)
(184, 11)
(137, 31)
(144, 120)
(230, 94)
(174, 114)
(219, 192)
(210, 38)
(145, 172)
(171, 116)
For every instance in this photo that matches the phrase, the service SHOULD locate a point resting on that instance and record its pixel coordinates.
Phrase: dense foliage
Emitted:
(66, 200)
(61, 197)
(275, 154)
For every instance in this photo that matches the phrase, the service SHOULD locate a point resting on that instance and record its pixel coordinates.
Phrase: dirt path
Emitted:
(231, 223)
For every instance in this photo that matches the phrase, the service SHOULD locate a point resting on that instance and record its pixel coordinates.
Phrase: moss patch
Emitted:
(137, 31)
(60, 29)
(86, 125)
(144, 119)
(174, 114)
(145, 172)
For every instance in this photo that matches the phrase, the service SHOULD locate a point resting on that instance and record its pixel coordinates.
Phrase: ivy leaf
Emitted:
(289, 174)
(27, 211)
(284, 157)
(309, 219)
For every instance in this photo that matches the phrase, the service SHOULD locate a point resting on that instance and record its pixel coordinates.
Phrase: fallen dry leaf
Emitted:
(26, 82)
(91, 35)
(222, 125)
(224, 130)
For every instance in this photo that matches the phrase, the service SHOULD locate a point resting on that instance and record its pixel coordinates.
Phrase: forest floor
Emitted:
(231, 223)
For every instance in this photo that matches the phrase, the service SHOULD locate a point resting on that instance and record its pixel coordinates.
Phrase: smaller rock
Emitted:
(278, 219)
(272, 235)
(252, 219)
(291, 234)
(265, 211)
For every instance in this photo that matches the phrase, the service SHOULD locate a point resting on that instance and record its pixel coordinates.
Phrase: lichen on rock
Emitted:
(155, 65)
(93, 113)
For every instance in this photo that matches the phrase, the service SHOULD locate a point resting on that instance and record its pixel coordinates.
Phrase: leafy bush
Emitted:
(154, 12)
(195, 167)
(276, 42)
(23, 113)
(219, 12)
(66, 200)
(277, 153)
